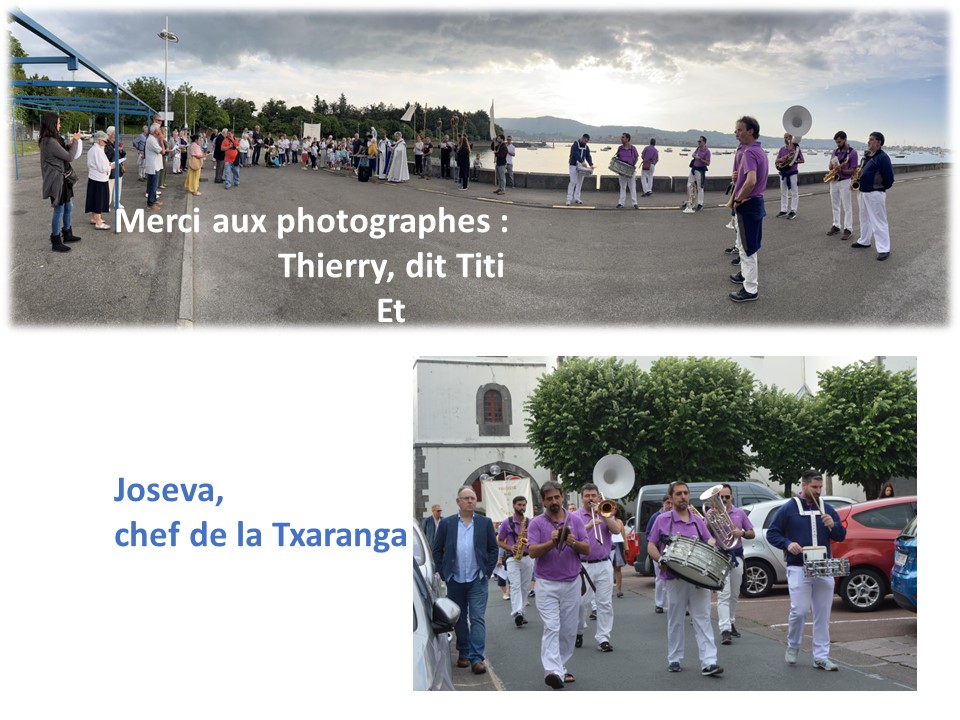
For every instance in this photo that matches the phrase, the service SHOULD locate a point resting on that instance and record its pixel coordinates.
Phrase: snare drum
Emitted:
(827, 567)
(696, 562)
(621, 168)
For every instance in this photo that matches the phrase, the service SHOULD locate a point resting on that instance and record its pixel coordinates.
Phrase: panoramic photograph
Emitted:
(497, 167)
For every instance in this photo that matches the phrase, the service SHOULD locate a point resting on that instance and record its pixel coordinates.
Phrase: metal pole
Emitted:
(166, 48)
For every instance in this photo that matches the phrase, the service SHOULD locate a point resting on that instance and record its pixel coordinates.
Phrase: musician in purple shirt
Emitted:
(598, 567)
(683, 596)
(628, 154)
(727, 598)
(844, 159)
(752, 173)
(698, 176)
(519, 572)
(557, 540)
(788, 159)
(650, 156)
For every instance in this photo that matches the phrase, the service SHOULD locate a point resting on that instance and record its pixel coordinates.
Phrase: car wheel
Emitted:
(863, 589)
(757, 579)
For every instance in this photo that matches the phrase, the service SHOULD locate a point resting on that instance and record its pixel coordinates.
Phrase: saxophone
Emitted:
(855, 180)
(521, 540)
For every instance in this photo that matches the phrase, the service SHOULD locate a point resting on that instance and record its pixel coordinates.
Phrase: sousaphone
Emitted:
(614, 476)
(797, 121)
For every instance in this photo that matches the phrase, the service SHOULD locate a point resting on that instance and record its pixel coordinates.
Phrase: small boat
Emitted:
(668, 149)
(605, 147)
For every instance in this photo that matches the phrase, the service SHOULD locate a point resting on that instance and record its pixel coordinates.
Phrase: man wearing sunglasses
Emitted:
(727, 599)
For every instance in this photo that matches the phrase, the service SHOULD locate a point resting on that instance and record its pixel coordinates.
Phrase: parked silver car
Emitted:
(763, 564)
(433, 621)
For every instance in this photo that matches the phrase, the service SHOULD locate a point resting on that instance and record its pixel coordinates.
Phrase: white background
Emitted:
(309, 426)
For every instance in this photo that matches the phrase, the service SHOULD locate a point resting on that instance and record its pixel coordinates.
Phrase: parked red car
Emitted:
(872, 527)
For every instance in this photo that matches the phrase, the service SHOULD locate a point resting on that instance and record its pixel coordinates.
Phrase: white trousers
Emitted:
(602, 575)
(576, 183)
(873, 220)
(519, 573)
(806, 594)
(748, 265)
(559, 606)
(790, 196)
(840, 201)
(646, 179)
(681, 597)
(626, 182)
(660, 590)
(727, 598)
(695, 178)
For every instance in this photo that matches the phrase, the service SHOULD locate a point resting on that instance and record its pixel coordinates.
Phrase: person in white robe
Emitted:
(398, 170)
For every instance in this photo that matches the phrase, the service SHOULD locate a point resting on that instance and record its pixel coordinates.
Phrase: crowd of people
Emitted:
(374, 155)
(567, 559)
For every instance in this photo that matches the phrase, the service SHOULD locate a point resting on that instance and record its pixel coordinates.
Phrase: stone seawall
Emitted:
(661, 183)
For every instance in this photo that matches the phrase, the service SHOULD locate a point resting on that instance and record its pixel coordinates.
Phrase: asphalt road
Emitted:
(754, 662)
(584, 265)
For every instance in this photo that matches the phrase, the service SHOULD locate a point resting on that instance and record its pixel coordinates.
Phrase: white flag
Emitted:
(493, 124)
(408, 115)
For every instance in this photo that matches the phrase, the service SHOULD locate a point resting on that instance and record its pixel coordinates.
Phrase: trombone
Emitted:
(606, 508)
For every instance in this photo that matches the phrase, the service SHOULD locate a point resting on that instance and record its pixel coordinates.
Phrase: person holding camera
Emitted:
(58, 178)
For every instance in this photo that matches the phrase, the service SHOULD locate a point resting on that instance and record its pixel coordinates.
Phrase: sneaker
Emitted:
(825, 664)
(689, 210)
(673, 667)
(605, 647)
(791, 215)
(791, 656)
(579, 642)
(531, 594)
(518, 620)
(858, 246)
(742, 296)
(782, 213)
(619, 205)
(846, 235)
(882, 256)
(712, 670)
(593, 616)
(699, 208)
(731, 250)
(736, 260)
(578, 202)
(554, 681)
(833, 230)
(725, 637)
(569, 203)
(636, 207)
(733, 631)
(738, 278)
(658, 610)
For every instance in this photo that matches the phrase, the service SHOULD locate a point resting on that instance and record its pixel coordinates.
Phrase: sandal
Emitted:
(197, 194)
(102, 226)
(568, 678)
(619, 594)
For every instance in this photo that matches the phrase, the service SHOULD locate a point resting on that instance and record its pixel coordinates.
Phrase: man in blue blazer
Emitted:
(430, 524)
(465, 549)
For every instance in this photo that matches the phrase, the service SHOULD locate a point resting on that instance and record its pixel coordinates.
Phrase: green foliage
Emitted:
(585, 409)
(700, 410)
(870, 424)
(789, 435)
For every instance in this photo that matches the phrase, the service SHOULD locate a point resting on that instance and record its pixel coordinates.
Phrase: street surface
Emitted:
(754, 662)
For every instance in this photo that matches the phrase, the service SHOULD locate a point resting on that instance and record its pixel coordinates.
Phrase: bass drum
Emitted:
(696, 562)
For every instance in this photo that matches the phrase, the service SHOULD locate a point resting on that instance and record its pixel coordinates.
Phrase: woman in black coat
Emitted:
(58, 179)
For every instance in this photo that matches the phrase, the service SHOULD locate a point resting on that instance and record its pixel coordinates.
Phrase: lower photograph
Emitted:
(665, 523)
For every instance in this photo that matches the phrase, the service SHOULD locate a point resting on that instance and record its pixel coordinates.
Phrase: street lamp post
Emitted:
(167, 37)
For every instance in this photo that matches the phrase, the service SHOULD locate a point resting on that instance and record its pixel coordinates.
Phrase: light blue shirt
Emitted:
(466, 569)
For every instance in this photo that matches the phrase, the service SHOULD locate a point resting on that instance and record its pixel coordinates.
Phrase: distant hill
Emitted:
(548, 127)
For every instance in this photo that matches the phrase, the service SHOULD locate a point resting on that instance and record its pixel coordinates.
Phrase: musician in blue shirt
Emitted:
(875, 179)
(806, 521)
(579, 158)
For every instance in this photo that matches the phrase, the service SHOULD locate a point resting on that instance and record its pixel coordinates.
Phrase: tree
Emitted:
(789, 437)
(700, 411)
(240, 112)
(149, 89)
(870, 424)
(583, 410)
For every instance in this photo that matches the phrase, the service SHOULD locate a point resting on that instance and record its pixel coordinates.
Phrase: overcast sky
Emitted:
(857, 70)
